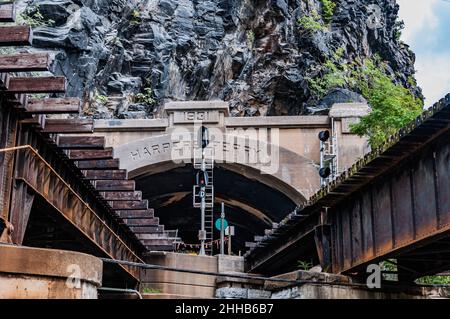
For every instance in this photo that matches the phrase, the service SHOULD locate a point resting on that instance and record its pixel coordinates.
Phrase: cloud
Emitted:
(418, 15)
(426, 24)
(433, 75)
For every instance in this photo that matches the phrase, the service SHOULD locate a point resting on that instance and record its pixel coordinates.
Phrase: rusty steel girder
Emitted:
(8, 129)
(402, 211)
(45, 182)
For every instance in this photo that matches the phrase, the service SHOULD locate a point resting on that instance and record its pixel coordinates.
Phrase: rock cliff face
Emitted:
(251, 53)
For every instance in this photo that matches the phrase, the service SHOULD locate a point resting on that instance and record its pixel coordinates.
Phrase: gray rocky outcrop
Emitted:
(250, 53)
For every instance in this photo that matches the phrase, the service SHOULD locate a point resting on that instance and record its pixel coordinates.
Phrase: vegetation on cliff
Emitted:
(393, 105)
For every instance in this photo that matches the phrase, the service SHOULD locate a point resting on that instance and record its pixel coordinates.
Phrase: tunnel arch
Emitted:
(254, 200)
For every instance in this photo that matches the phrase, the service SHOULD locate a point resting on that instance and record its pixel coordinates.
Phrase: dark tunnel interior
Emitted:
(250, 205)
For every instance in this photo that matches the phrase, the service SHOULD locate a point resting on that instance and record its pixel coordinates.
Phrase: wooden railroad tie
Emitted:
(69, 126)
(54, 106)
(52, 84)
(38, 121)
(7, 12)
(131, 214)
(119, 174)
(25, 62)
(122, 196)
(16, 36)
(114, 186)
(98, 164)
(81, 142)
(148, 229)
(142, 221)
(80, 155)
(129, 205)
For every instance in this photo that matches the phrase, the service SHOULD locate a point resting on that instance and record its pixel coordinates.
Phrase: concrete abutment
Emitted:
(34, 273)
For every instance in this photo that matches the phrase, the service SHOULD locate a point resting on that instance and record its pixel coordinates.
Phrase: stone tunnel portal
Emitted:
(254, 196)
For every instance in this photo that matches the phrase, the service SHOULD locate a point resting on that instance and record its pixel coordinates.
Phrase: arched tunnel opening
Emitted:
(250, 205)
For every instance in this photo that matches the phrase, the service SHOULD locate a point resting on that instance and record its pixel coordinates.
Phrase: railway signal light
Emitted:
(204, 137)
(324, 136)
(201, 179)
(325, 172)
(328, 156)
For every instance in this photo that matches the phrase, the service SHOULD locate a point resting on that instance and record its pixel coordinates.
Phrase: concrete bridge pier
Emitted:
(34, 273)
(163, 284)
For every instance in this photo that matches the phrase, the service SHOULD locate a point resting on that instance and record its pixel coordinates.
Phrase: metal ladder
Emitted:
(209, 194)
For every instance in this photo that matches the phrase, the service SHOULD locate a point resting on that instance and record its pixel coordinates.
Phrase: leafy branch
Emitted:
(393, 105)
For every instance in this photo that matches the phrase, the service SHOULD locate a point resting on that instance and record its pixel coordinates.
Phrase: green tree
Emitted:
(250, 39)
(102, 99)
(393, 106)
(311, 23)
(146, 97)
(434, 280)
(33, 17)
(135, 17)
(328, 7)
(333, 76)
(304, 265)
(398, 29)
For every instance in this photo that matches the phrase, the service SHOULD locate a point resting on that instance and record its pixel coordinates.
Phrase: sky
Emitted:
(427, 31)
